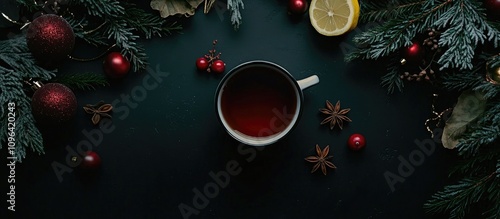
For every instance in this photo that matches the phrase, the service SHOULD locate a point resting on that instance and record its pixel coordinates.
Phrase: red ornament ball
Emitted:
(493, 8)
(115, 65)
(297, 7)
(414, 53)
(218, 66)
(356, 142)
(50, 39)
(53, 103)
(202, 64)
(91, 161)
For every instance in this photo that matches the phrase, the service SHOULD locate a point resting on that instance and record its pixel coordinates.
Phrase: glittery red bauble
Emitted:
(115, 65)
(50, 39)
(53, 103)
(297, 7)
(493, 8)
(356, 142)
(413, 54)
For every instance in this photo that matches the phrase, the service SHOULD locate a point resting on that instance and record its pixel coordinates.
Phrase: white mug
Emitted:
(259, 102)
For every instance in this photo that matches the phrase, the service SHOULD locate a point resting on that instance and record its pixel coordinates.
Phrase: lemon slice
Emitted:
(334, 17)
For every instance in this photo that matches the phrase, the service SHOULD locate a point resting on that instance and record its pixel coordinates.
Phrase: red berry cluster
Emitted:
(211, 62)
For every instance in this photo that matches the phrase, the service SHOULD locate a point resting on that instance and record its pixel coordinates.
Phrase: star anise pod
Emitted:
(321, 159)
(336, 116)
(98, 111)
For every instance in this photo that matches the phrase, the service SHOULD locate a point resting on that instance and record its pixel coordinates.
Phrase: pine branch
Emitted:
(394, 34)
(91, 36)
(458, 198)
(118, 31)
(392, 79)
(388, 9)
(102, 8)
(120, 24)
(466, 28)
(148, 24)
(494, 212)
(462, 81)
(82, 81)
(477, 137)
(477, 164)
(31, 5)
(18, 66)
(234, 7)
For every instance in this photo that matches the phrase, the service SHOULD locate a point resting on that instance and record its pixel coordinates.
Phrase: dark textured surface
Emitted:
(166, 141)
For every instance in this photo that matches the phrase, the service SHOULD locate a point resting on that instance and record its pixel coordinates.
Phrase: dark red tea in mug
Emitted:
(257, 100)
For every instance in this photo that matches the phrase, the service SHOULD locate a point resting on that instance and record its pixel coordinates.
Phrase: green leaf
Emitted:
(469, 107)
(174, 7)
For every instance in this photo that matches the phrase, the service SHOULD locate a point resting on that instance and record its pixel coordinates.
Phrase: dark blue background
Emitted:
(167, 146)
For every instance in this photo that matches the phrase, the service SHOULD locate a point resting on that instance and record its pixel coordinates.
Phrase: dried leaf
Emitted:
(470, 105)
(172, 7)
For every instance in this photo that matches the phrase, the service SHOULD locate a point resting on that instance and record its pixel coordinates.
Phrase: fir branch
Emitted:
(498, 168)
(118, 31)
(234, 7)
(93, 36)
(396, 33)
(82, 81)
(18, 66)
(466, 28)
(458, 198)
(462, 81)
(477, 164)
(102, 8)
(477, 137)
(494, 211)
(489, 90)
(148, 24)
(392, 79)
(31, 5)
(388, 9)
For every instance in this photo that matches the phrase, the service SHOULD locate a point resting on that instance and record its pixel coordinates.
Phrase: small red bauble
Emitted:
(413, 54)
(91, 161)
(202, 64)
(356, 142)
(297, 7)
(115, 65)
(218, 66)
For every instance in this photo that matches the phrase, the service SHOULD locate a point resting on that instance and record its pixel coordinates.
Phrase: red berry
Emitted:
(115, 65)
(356, 142)
(91, 161)
(202, 64)
(297, 7)
(218, 66)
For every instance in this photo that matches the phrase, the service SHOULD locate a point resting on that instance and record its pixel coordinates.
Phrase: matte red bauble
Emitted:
(356, 142)
(115, 65)
(50, 39)
(53, 103)
(297, 7)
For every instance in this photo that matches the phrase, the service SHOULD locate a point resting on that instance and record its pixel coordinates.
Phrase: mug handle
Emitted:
(307, 82)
